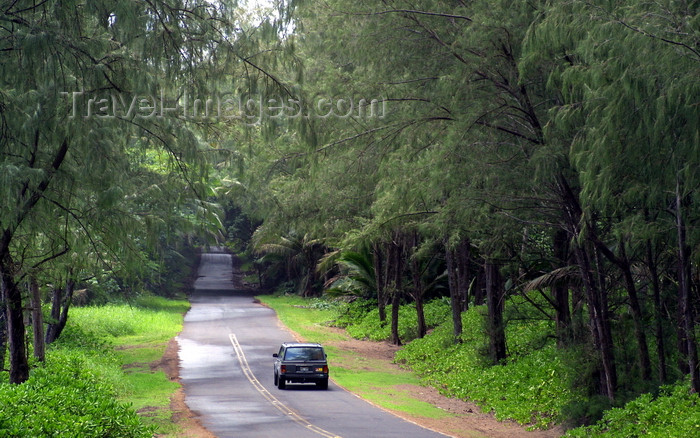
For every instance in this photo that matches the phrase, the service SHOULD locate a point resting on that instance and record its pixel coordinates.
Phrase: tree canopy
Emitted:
(491, 151)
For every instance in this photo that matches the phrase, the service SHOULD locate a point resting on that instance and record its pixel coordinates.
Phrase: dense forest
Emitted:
(538, 159)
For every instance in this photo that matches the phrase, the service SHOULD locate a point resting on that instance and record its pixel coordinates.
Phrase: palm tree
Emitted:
(298, 255)
(358, 277)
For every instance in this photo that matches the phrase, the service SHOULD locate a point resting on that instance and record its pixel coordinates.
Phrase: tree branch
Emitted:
(416, 12)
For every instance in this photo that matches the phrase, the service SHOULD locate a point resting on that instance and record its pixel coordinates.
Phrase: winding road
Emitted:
(226, 361)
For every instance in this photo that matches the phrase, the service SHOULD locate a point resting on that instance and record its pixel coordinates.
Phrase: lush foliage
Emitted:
(673, 412)
(148, 319)
(536, 157)
(104, 166)
(532, 388)
(361, 319)
(72, 394)
(97, 375)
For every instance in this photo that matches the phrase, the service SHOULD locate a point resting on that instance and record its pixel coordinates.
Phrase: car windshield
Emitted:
(304, 353)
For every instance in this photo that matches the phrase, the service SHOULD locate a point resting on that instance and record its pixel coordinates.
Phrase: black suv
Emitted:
(301, 363)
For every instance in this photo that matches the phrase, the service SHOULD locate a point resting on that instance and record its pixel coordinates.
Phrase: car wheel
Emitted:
(276, 379)
(322, 384)
(281, 383)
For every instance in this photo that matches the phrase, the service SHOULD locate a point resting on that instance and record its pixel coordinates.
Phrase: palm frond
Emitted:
(559, 276)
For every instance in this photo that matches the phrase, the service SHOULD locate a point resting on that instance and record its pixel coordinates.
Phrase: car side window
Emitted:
(281, 352)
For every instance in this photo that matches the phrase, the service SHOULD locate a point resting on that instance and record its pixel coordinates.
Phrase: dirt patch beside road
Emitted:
(182, 415)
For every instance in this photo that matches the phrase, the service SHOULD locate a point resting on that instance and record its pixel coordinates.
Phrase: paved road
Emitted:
(226, 351)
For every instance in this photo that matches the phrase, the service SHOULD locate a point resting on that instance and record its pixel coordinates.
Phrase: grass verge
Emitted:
(139, 334)
(383, 385)
(534, 387)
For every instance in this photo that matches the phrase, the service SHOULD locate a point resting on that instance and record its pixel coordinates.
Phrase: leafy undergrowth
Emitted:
(96, 376)
(361, 319)
(675, 412)
(531, 388)
(139, 334)
(74, 393)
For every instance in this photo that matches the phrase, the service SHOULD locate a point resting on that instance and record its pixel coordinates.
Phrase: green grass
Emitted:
(138, 334)
(139, 356)
(150, 397)
(148, 320)
(304, 317)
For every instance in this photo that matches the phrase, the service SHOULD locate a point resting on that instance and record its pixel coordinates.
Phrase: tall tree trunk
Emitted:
(56, 304)
(418, 289)
(29, 197)
(310, 277)
(599, 326)
(396, 290)
(605, 328)
(3, 328)
(495, 301)
(19, 365)
(463, 250)
(395, 304)
(560, 292)
(686, 305)
(658, 314)
(37, 321)
(455, 303)
(637, 316)
(682, 338)
(480, 285)
(578, 323)
(60, 303)
(379, 277)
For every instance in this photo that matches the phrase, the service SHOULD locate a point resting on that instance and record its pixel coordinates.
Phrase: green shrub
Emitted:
(675, 412)
(66, 397)
(531, 388)
(353, 312)
(361, 319)
(436, 312)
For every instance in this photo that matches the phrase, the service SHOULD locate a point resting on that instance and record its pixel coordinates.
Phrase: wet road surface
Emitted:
(226, 361)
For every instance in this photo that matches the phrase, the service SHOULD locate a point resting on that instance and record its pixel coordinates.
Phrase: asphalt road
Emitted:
(226, 361)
